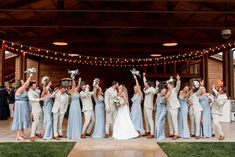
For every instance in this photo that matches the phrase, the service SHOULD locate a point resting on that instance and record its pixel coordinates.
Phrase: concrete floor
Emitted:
(139, 147)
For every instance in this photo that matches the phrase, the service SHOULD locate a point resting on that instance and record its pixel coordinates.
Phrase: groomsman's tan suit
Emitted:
(148, 107)
(173, 106)
(37, 125)
(87, 109)
(59, 108)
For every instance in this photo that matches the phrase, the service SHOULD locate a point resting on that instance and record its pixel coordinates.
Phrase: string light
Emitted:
(117, 61)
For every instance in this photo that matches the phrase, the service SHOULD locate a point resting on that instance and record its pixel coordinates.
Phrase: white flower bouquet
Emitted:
(135, 72)
(73, 73)
(31, 71)
(96, 82)
(118, 101)
(45, 79)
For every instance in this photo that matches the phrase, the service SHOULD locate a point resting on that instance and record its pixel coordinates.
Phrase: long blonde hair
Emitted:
(139, 92)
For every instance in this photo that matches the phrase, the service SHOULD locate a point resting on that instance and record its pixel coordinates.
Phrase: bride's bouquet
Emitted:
(118, 101)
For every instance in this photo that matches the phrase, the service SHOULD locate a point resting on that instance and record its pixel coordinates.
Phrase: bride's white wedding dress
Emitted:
(123, 127)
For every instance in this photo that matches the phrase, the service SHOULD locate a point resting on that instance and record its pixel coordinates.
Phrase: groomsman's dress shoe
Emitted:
(83, 136)
(150, 136)
(175, 137)
(213, 135)
(106, 135)
(171, 136)
(88, 134)
(197, 137)
(32, 139)
(56, 138)
(221, 137)
(192, 135)
(39, 135)
(61, 136)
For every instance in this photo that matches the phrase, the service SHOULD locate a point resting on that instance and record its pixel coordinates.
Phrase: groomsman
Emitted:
(149, 92)
(87, 109)
(196, 111)
(173, 106)
(59, 109)
(34, 98)
(217, 108)
(110, 107)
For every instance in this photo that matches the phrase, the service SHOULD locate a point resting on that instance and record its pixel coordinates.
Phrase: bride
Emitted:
(123, 127)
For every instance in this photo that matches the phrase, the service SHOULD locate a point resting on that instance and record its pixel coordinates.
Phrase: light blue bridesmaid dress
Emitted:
(160, 118)
(136, 113)
(99, 130)
(48, 103)
(21, 118)
(206, 116)
(74, 129)
(183, 119)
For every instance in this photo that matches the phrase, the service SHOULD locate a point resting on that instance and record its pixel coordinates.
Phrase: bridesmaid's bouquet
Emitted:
(32, 71)
(73, 73)
(118, 101)
(96, 82)
(45, 80)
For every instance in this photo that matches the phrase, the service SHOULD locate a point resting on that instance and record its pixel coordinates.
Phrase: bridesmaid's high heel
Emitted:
(20, 138)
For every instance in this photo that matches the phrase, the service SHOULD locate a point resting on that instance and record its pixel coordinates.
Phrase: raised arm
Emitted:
(136, 80)
(73, 84)
(214, 90)
(24, 86)
(144, 77)
(177, 88)
(79, 82)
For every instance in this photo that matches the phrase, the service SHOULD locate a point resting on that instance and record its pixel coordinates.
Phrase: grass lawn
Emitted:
(37, 149)
(198, 149)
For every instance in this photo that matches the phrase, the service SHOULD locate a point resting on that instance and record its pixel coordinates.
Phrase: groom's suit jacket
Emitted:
(110, 94)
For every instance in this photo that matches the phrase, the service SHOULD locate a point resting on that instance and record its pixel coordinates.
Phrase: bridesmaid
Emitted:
(75, 117)
(161, 113)
(136, 111)
(183, 114)
(206, 114)
(21, 118)
(99, 130)
(48, 103)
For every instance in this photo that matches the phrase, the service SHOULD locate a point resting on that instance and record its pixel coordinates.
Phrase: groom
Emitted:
(110, 107)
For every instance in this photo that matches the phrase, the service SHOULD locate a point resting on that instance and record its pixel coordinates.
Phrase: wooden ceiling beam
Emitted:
(97, 39)
(117, 11)
(132, 24)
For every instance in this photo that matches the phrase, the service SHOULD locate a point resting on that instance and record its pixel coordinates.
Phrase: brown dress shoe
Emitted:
(83, 136)
(56, 138)
(221, 137)
(192, 135)
(171, 136)
(32, 139)
(88, 134)
(39, 135)
(106, 135)
(150, 136)
(175, 137)
(213, 135)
